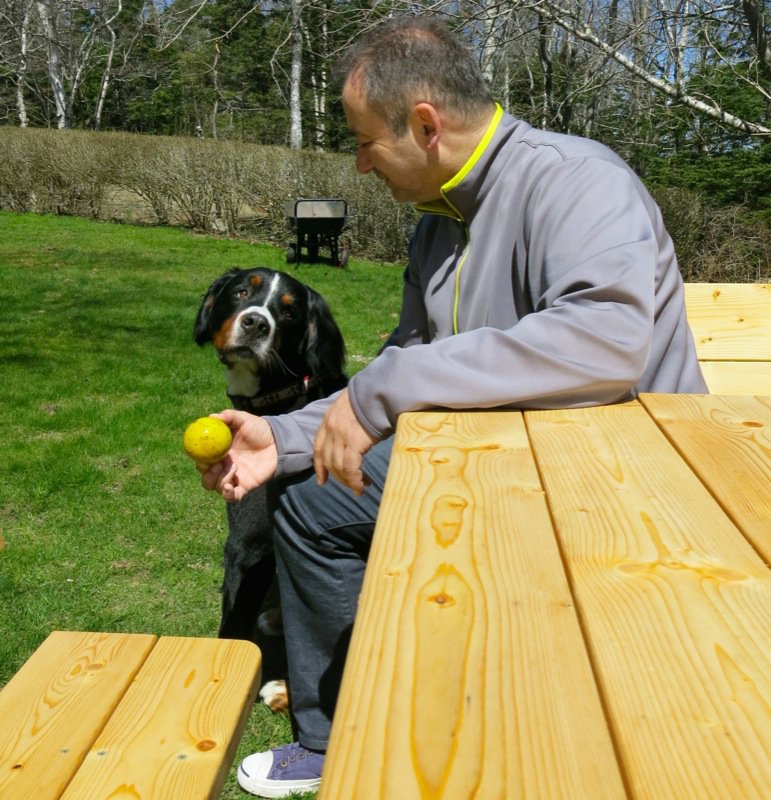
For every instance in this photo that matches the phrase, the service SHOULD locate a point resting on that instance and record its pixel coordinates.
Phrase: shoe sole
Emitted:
(275, 789)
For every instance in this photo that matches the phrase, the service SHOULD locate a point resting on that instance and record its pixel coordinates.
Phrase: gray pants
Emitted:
(322, 537)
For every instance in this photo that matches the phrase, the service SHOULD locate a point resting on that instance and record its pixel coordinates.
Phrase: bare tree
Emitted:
(68, 32)
(617, 69)
(47, 13)
(21, 70)
(759, 23)
(679, 40)
(657, 42)
(104, 84)
(295, 109)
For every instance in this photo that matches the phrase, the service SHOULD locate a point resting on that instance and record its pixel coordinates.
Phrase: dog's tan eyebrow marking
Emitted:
(256, 280)
(288, 299)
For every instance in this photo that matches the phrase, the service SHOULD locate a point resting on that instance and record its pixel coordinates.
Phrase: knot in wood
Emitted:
(206, 744)
(442, 599)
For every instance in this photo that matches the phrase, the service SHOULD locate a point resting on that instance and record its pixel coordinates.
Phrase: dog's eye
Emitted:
(288, 313)
(242, 294)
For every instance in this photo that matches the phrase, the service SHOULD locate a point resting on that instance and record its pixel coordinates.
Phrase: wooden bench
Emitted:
(731, 324)
(92, 716)
(566, 604)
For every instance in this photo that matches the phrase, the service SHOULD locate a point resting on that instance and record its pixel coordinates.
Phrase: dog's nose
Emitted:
(255, 323)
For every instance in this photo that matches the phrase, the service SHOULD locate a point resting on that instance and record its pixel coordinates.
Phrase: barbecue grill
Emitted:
(317, 222)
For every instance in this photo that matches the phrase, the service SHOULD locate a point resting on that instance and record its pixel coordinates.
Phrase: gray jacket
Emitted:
(543, 278)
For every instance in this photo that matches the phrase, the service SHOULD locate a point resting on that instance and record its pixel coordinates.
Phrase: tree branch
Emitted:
(561, 17)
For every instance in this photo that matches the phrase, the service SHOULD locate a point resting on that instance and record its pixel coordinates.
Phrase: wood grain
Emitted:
(455, 684)
(674, 601)
(730, 321)
(72, 676)
(175, 732)
(727, 442)
(737, 377)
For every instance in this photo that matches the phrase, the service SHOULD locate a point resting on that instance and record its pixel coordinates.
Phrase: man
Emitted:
(540, 276)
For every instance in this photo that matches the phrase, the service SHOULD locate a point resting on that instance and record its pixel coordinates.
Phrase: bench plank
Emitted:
(737, 377)
(720, 437)
(673, 651)
(730, 321)
(466, 618)
(176, 731)
(72, 675)
(731, 325)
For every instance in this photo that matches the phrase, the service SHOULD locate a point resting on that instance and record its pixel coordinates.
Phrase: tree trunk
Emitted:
(217, 90)
(47, 12)
(21, 72)
(318, 78)
(755, 15)
(295, 110)
(106, 78)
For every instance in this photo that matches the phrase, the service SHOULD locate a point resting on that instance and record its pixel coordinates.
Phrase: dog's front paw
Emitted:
(274, 695)
(270, 622)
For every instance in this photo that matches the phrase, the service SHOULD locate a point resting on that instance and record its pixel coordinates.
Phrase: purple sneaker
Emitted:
(281, 771)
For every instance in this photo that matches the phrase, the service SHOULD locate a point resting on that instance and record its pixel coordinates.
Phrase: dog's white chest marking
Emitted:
(241, 379)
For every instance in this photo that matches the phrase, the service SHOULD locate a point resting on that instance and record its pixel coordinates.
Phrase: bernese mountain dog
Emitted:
(281, 349)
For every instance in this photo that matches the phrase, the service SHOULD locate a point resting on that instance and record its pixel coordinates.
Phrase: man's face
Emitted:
(402, 163)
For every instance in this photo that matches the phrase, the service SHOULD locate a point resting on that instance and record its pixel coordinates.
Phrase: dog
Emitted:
(281, 348)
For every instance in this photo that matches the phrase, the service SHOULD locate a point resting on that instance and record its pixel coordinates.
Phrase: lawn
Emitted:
(104, 524)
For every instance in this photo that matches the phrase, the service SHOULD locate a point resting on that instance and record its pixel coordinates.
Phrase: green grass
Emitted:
(104, 521)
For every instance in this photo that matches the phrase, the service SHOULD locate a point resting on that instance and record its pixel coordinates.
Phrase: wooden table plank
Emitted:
(149, 750)
(727, 442)
(673, 599)
(467, 620)
(73, 675)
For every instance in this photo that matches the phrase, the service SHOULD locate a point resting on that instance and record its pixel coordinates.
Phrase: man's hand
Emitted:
(340, 445)
(250, 462)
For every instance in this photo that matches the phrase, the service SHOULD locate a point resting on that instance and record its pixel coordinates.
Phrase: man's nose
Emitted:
(363, 164)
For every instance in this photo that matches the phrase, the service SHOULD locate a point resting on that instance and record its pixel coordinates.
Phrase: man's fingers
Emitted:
(349, 471)
(322, 473)
(319, 458)
(216, 477)
(210, 474)
(341, 464)
(340, 445)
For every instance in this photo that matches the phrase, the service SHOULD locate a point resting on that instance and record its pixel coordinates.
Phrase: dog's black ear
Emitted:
(325, 344)
(201, 332)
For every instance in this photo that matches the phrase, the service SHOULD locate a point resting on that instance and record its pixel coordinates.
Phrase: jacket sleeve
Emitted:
(294, 434)
(591, 265)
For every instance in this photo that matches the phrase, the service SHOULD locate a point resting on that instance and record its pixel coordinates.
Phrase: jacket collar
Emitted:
(451, 203)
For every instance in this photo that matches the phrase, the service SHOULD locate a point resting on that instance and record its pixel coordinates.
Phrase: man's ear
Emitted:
(427, 125)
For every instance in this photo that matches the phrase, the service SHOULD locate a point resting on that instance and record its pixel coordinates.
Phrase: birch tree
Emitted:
(23, 55)
(682, 26)
(47, 12)
(295, 109)
(63, 35)
(104, 83)
(659, 43)
(620, 70)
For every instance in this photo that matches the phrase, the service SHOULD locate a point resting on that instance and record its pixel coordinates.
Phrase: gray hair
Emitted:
(411, 59)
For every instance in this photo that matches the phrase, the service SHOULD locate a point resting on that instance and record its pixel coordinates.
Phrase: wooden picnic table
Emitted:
(571, 603)
(92, 716)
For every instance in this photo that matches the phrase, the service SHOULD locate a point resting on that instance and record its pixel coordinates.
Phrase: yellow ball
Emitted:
(207, 440)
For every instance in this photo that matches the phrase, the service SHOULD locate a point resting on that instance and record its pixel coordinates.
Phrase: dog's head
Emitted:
(266, 323)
